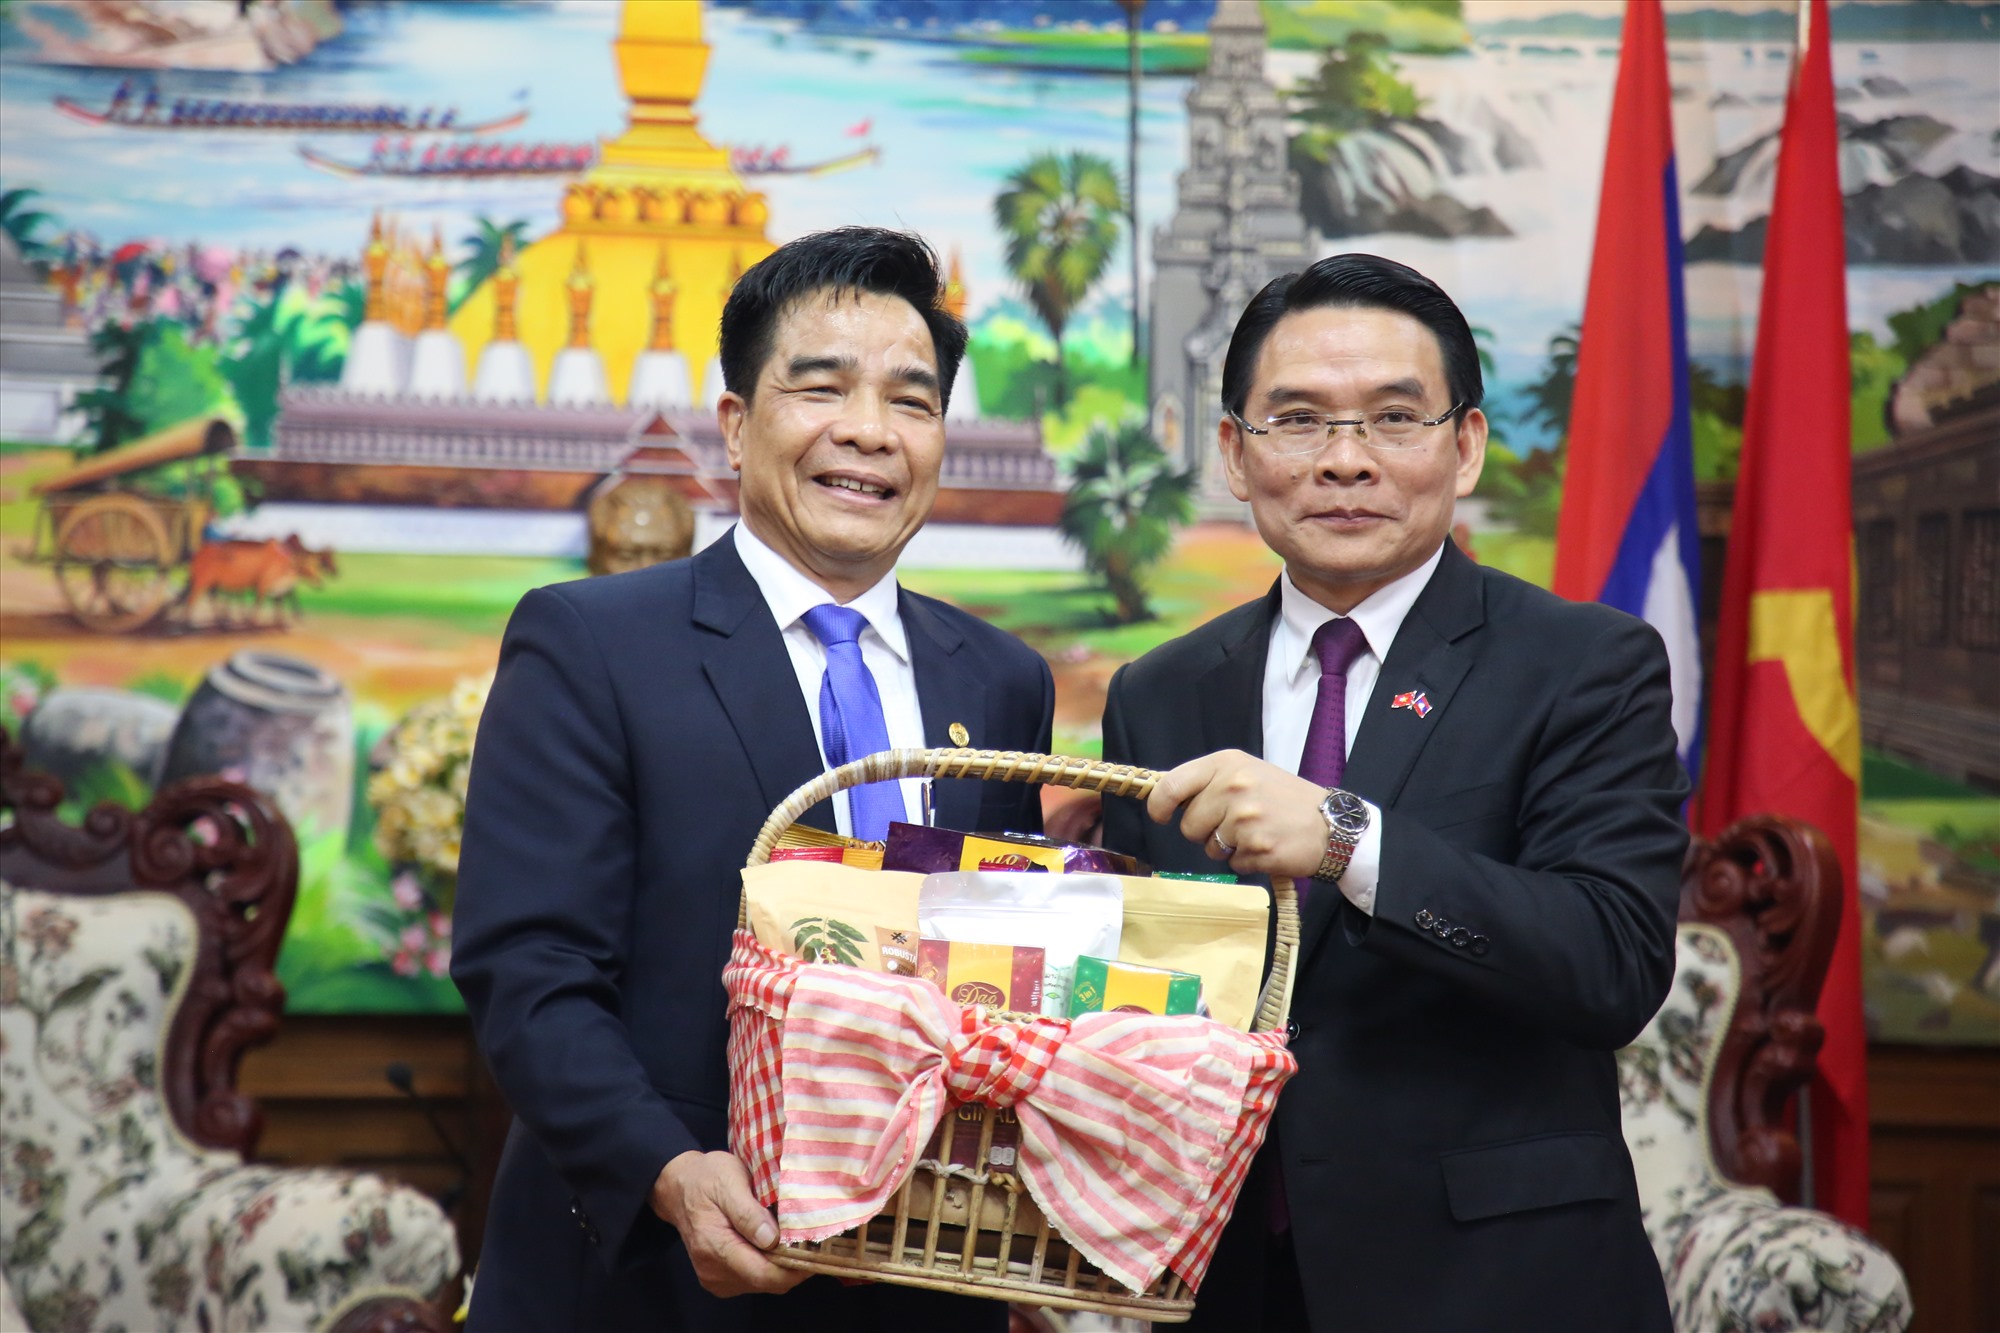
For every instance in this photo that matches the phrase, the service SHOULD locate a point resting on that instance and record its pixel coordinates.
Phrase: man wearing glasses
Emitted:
(1474, 785)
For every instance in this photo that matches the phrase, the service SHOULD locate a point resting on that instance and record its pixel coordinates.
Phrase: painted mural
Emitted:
(329, 327)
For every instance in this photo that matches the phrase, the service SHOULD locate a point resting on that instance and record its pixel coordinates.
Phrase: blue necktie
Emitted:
(850, 718)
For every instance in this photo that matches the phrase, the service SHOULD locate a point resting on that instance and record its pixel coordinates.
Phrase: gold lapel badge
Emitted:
(959, 735)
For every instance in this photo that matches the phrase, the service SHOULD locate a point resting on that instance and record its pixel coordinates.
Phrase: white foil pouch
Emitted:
(1065, 916)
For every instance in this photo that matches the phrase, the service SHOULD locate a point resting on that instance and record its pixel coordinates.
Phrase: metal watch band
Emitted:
(1346, 821)
(1334, 864)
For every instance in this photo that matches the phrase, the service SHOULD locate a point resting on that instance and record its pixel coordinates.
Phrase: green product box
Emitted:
(1104, 986)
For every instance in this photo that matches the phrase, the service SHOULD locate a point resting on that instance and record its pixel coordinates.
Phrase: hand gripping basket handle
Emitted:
(1014, 766)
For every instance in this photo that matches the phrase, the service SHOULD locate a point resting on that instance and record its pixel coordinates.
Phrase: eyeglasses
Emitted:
(1310, 432)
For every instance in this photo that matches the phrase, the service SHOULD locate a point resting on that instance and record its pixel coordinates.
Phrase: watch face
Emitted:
(1345, 812)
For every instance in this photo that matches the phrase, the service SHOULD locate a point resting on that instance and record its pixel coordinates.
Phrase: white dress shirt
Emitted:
(1291, 691)
(885, 649)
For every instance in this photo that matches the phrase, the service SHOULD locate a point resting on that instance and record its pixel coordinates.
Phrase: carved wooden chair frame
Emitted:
(225, 851)
(1773, 885)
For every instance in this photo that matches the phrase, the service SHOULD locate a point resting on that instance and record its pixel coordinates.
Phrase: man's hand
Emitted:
(1268, 820)
(706, 1196)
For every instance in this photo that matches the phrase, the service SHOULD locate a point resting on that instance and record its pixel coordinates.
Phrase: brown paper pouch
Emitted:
(834, 913)
(1215, 931)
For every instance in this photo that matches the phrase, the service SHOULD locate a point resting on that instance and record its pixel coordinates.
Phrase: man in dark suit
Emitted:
(1474, 785)
(641, 728)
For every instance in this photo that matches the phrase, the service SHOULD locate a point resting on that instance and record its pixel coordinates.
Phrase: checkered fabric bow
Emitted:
(999, 1063)
(1136, 1130)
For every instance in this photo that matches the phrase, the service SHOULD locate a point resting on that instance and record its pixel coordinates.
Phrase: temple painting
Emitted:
(329, 327)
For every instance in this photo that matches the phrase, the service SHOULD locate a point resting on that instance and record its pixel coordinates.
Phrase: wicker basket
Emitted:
(974, 1236)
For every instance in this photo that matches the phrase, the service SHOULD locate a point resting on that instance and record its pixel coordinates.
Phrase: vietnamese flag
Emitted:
(1785, 733)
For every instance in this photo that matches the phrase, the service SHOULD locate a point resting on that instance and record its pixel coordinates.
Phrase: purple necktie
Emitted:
(1338, 644)
(850, 718)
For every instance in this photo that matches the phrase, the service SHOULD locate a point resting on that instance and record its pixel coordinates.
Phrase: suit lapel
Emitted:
(949, 689)
(1232, 691)
(747, 666)
(1430, 655)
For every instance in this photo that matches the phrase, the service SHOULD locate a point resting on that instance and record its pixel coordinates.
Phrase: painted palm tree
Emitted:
(1548, 397)
(483, 246)
(1059, 213)
(21, 222)
(108, 407)
(283, 338)
(1482, 342)
(1125, 500)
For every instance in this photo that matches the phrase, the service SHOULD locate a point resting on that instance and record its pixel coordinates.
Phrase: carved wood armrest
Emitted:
(1774, 886)
(227, 853)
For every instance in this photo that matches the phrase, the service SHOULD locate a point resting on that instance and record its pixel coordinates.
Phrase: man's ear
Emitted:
(1229, 438)
(1471, 436)
(730, 410)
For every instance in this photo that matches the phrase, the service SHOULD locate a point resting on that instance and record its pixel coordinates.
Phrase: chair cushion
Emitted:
(1742, 1262)
(1663, 1085)
(109, 1214)
(1732, 1256)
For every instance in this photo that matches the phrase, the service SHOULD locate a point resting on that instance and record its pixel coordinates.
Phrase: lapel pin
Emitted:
(1413, 700)
(959, 735)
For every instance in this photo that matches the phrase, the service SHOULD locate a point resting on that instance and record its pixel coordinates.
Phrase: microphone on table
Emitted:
(403, 1080)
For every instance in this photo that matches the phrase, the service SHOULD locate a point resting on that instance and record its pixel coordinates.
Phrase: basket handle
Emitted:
(1273, 1005)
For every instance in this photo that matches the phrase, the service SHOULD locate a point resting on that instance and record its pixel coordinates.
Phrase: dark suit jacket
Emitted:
(641, 729)
(1451, 1147)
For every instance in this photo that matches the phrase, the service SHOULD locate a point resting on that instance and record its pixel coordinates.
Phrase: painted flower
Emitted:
(170, 1287)
(257, 1214)
(49, 931)
(468, 697)
(409, 894)
(215, 1260)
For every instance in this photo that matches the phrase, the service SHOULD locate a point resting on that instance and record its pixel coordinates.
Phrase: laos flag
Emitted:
(1627, 531)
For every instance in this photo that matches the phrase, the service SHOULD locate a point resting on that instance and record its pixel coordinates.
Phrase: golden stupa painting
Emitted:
(590, 353)
(662, 205)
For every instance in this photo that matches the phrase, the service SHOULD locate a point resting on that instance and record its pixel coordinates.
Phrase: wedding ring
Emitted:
(1227, 850)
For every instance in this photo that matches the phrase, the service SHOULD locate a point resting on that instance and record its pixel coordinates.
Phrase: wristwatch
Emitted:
(1346, 820)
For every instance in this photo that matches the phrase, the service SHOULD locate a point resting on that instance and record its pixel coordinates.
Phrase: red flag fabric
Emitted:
(1627, 533)
(1785, 731)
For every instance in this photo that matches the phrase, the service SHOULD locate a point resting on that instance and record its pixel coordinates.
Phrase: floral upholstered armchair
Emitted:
(1705, 1089)
(136, 958)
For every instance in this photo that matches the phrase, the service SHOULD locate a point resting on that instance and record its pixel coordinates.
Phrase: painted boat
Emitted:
(748, 166)
(132, 119)
(414, 170)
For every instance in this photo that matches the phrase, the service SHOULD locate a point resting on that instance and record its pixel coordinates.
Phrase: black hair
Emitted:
(1363, 281)
(845, 259)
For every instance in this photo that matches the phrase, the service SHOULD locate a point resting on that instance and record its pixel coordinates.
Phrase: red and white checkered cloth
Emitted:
(1136, 1131)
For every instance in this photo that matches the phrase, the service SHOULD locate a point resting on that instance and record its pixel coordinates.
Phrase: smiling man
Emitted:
(641, 729)
(1474, 785)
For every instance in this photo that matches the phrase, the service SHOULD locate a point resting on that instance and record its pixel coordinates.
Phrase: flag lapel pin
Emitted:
(1413, 700)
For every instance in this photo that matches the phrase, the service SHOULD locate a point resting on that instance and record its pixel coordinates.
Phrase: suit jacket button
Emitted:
(1479, 946)
(1460, 937)
(1291, 1029)
(1424, 918)
(1441, 928)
